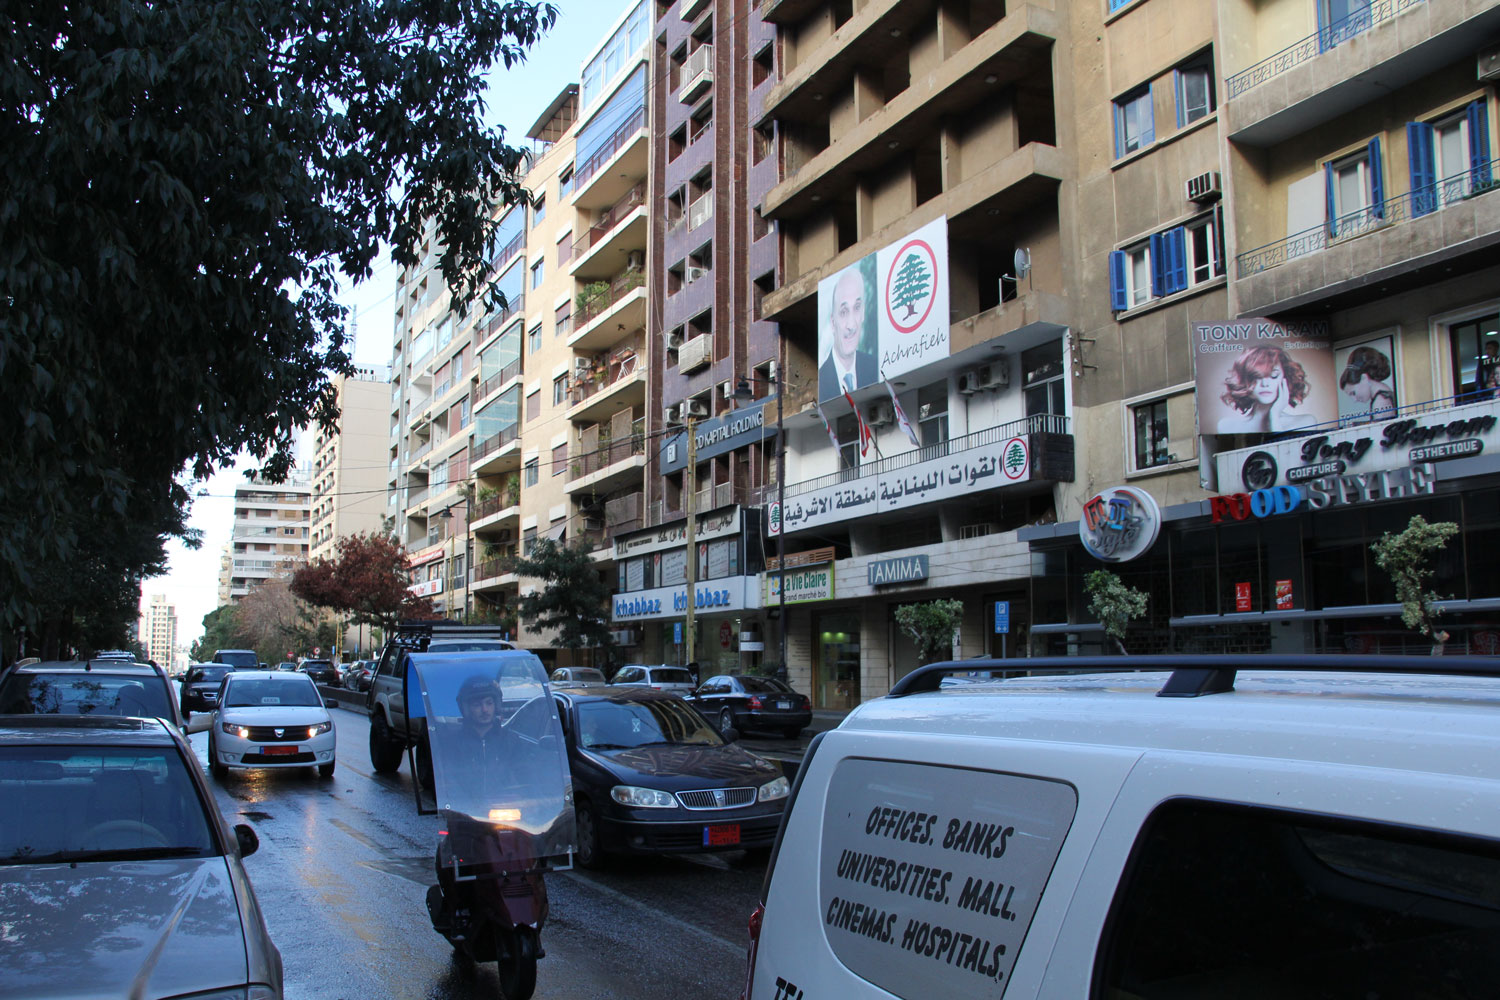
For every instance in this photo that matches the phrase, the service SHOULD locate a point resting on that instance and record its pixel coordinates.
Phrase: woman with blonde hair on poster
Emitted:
(1264, 388)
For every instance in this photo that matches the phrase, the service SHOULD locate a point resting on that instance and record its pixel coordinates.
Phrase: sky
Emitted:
(517, 97)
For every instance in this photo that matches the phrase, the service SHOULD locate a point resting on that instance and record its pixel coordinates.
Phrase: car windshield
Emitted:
(465, 645)
(93, 693)
(98, 803)
(618, 725)
(316, 664)
(257, 691)
(764, 685)
(586, 674)
(210, 675)
(244, 658)
(670, 675)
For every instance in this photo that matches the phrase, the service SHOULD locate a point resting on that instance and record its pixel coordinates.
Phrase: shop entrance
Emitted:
(836, 666)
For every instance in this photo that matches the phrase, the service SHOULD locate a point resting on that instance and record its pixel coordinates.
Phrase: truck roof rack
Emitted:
(1192, 676)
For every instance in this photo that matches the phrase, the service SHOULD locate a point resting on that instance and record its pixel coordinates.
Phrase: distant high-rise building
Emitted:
(349, 463)
(271, 522)
(158, 630)
(226, 572)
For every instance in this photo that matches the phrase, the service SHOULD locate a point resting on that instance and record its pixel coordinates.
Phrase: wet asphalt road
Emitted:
(342, 875)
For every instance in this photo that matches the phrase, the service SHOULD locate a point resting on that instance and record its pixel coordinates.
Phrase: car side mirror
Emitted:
(199, 723)
(248, 841)
(330, 703)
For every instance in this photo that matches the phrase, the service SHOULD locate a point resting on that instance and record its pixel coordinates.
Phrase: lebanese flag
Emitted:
(911, 435)
(866, 438)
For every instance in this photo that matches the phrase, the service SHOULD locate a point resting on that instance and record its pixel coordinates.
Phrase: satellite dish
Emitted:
(1022, 263)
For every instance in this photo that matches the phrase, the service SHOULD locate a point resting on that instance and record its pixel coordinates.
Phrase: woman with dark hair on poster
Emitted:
(1264, 388)
(1364, 381)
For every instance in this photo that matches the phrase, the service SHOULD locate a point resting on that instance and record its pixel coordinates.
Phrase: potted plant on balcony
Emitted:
(512, 491)
(591, 296)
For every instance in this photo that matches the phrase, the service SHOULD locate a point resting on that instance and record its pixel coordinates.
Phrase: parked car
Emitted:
(357, 675)
(246, 659)
(200, 687)
(89, 687)
(658, 677)
(1215, 826)
(566, 677)
(287, 665)
(745, 702)
(118, 875)
(321, 671)
(651, 776)
(268, 719)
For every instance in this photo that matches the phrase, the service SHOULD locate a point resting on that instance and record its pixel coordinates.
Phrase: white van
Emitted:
(1312, 827)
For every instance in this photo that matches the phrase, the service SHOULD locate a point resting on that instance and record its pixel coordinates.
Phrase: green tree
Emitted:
(911, 284)
(931, 625)
(221, 630)
(573, 601)
(1407, 556)
(184, 185)
(1113, 603)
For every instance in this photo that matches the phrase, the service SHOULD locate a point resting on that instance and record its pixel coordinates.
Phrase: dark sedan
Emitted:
(200, 688)
(747, 702)
(321, 671)
(651, 777)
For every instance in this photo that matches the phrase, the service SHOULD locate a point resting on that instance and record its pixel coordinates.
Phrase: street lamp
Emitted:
(744, 394)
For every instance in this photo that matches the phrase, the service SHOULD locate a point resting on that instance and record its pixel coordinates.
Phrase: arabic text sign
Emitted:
(972, 471)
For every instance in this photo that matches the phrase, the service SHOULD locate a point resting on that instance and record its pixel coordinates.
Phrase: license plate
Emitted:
(279, 751)
(719, 836)
(783, 704)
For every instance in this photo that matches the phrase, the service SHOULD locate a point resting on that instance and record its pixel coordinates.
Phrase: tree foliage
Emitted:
(931, 625)
(368, 581)
(572, 600)
(183, 185)
(221, 630)
(1407, 556)
(1113, 603)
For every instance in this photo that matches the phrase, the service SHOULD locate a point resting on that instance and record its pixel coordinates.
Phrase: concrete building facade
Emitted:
(270, 536)
(350, 463)
(158, 631)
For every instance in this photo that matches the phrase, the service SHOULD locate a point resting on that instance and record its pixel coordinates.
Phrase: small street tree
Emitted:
(1407, 557)
(367, 580)
(931, 625)
(1113, 603)
(221, 630)
(274, 621)
(911, 284)
(572, 601)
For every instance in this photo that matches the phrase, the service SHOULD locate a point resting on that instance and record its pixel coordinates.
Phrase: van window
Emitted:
(930, 875)
(1223, 900)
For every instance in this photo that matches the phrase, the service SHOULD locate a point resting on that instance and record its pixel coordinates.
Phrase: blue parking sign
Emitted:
(1002, 617)
(677, 633)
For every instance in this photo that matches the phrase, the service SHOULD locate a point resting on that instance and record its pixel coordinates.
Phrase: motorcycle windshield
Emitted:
(499, 763)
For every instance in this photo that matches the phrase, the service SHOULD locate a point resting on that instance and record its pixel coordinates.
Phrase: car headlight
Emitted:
(646, 798)
(241, 731)
(772, 790)
(321, 727)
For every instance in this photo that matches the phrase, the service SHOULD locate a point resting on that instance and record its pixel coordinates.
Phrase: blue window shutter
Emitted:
(1324, 40)
(1119, 130)
(1479, 145)
(1333, 207)
(1117, 300)
(1158, 266)
(1178, 93)
(1377, 180)
(1423, 168)
(1176, 242)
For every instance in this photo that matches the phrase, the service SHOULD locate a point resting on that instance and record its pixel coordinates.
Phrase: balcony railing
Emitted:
(591, 306)
(421, 453)
(513, 307)
(1401, 208)
(496, 566)
(609, 219)
(494, 443)
(606, 370)
(621, 137)
(509, 496)
(623, 514)
(510, 250)
(698, 128)
(1327, 37)
(610, 452)
(1037, 423)
(498, 379)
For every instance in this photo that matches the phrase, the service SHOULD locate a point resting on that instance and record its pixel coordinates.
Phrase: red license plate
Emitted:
(279, 751)
(722, 835)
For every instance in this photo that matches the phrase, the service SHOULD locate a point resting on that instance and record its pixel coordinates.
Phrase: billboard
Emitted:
(885, 314)
(1263, 376)
(1367, 380)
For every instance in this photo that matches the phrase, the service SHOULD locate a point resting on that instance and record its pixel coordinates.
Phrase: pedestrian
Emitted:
(692, 669)
(1487, 377)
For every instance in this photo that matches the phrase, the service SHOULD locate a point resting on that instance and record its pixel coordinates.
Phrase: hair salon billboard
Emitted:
(1264, 376)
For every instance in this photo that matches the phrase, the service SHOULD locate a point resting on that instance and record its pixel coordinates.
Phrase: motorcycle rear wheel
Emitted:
(516, 966)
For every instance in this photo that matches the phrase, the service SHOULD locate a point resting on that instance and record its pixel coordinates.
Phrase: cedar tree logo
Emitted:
(909, 286)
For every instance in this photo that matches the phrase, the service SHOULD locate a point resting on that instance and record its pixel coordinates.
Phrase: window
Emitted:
(932, 413)
(538, 272)
(1129, 277)
(1356, 192)
(1449, 158)
(531, 471)
(1468, 342)
(533, 405)
(559, 390)
(1341, 20)
(528, 541)
(1205, 248)
(1135, 124)
(538, 212)
(1195, 91)
(534, 340)
(1151, 437)
(565, 248)
(1115, 5)
(1042, 378)
(560, 459)
(565, 182)
(1167, 262)
(562, 319)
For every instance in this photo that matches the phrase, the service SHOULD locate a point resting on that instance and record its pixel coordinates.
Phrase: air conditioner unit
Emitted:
(726, 388)
(673, 413)
(1489, 64)
(881, 414)
(674, 340)
(691, 275)
(968, 383)
(995, 375)
(593, 524)
(1205, 187)
(696, 408)
(635, 260)
(771, 371)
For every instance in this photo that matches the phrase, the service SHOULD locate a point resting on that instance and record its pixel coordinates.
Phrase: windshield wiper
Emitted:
(609, 746)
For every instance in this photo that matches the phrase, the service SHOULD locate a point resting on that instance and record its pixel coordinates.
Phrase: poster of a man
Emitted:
(1258, 376)
(848, 342)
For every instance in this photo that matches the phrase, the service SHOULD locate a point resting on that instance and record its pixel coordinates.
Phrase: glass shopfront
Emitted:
(836, 660)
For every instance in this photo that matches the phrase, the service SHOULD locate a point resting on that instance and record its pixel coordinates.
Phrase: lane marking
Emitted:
(738, 947)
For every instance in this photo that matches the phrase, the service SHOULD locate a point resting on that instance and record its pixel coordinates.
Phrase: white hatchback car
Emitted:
(1213, 827)
(269, 718)
(657, 676)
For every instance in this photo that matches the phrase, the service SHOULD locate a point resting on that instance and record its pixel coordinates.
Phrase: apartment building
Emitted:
(349, 463)
(226, 573)
(271, 530)
(158, 631)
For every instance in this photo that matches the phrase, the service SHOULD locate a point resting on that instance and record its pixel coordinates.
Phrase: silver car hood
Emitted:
(274, 715)
(121, 929)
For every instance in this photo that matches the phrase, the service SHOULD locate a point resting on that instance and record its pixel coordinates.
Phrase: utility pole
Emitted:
(690, 504)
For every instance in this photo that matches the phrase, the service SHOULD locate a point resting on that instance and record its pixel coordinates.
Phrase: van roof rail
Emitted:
(1192, 676)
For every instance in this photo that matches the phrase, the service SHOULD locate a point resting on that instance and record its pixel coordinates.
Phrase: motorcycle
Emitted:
(488, 757)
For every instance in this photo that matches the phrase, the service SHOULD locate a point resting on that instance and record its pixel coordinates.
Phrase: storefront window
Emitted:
(1480, 541)
(1467, 341)
(1194, 573)
(836, 672)
(1049, 584)
(673, 566)
(1239, 569)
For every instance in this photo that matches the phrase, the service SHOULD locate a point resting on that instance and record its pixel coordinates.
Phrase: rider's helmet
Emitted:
(479, 686)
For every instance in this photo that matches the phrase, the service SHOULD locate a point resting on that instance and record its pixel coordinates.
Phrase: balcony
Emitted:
(700, 211)
(1021, 456)
(498, 452)
(497, 381)
(1457, 218)
(605, 249)
(1375, 51)
(614, 167)
(691, 8)
(697, 74)
(609, 382)
(493, 324)
(496, 572)
(602, 309)
(615, 461)
(497, 510)
(624, 514)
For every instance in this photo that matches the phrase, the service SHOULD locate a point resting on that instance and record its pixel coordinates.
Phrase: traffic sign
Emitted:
(677, 633)
(1002, 617)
